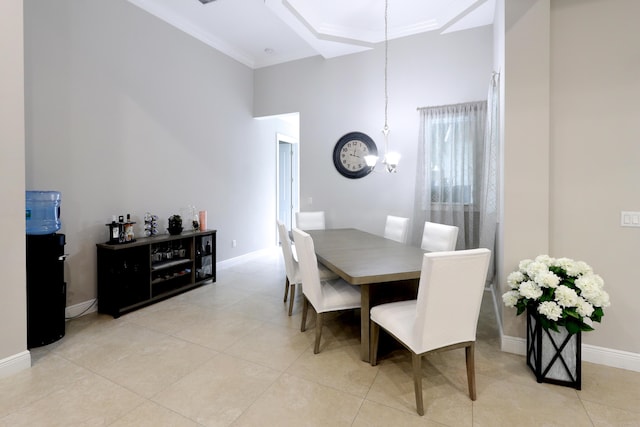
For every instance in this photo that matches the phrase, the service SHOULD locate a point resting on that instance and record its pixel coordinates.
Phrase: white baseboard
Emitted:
(611, 357)
(14, 364)
(243, 258)
(590, 353)
(81, 309)
(515, 345)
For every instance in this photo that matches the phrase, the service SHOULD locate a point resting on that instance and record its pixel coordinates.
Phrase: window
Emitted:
(454, 148)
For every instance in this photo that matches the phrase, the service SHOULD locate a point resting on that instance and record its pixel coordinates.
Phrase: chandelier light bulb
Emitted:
(371, 160)
(391, 160)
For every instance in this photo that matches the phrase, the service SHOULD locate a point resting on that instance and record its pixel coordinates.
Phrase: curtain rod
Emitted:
(493, 75)
(451, 105)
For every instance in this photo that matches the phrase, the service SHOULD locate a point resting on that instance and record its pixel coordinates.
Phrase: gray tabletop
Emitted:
(367, 260)
(364, 258)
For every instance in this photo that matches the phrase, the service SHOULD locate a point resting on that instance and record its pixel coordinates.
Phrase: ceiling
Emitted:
(260, 33)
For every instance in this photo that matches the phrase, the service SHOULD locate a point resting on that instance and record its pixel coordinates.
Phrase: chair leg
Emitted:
(305, 308)
(286, 288)
(471, 369)
(316, 347)
(292, 297)
(374, 331)
(416, 360)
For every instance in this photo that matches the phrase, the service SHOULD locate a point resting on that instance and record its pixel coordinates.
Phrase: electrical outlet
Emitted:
(629, 219)
(233, 243)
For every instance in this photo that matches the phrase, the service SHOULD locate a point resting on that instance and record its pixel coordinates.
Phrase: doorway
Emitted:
(288, 177)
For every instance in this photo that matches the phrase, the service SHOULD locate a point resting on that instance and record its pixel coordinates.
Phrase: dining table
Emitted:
(371, 262)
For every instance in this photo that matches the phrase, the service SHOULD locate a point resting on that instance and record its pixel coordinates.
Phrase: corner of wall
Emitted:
(15, 363)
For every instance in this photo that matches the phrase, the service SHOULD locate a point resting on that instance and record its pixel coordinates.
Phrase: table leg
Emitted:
(364, 322)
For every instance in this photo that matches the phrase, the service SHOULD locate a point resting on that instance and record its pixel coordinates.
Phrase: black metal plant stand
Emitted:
(554, 357)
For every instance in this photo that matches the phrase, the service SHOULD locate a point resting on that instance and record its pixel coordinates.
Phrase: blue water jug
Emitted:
(42, 213)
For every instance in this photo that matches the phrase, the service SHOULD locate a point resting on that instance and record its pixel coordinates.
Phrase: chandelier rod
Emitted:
(386, 49)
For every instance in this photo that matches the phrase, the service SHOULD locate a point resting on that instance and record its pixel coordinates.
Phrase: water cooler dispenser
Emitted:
(46, 288)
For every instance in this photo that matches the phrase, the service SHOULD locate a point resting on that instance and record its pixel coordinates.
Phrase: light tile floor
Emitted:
(228, 354)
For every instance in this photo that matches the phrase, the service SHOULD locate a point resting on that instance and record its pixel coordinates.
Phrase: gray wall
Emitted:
(13, 321)
(127, 114)
(345, 94)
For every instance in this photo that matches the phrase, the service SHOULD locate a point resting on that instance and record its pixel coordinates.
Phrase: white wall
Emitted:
(126, 114)
(499, 66)
(525, 202)
(345, 94)
(13, 321)
(571, 153)
(595, 152)
(549, 75)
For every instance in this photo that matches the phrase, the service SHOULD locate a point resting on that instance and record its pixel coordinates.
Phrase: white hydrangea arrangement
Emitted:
(563, 291)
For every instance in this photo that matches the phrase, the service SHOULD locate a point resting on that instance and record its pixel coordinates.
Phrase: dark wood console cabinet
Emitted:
(133, 275)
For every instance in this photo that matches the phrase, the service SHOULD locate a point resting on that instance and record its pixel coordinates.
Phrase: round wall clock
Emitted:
(349, 152)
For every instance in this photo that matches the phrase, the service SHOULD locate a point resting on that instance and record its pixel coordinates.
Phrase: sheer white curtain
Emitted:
(489, 185)
(451, 151)
(457, 174)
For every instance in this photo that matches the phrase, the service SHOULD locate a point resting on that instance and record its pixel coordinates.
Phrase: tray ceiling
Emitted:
(261, 33)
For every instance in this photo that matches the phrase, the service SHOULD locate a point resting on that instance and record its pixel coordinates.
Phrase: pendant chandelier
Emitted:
(391, 158)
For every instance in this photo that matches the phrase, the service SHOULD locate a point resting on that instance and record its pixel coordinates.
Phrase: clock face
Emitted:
(349, 152)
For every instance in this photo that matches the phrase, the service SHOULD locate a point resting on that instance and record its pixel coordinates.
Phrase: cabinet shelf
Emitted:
(169, 277)
(161, 265)
(129, 277)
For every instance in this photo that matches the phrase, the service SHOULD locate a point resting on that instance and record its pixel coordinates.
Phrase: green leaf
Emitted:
(557, 271)
(573, 327)
(548, 324)
(597, 314)
(573, 313)
(586, 328)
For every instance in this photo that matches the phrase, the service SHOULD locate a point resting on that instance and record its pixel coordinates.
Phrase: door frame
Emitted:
(295, 175)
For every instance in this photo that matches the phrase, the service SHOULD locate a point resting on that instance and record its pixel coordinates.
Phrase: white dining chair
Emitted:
(445, 315)
(324, 295)
(439, 237)
(396, 228)
(310, 220)
(292, 269)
